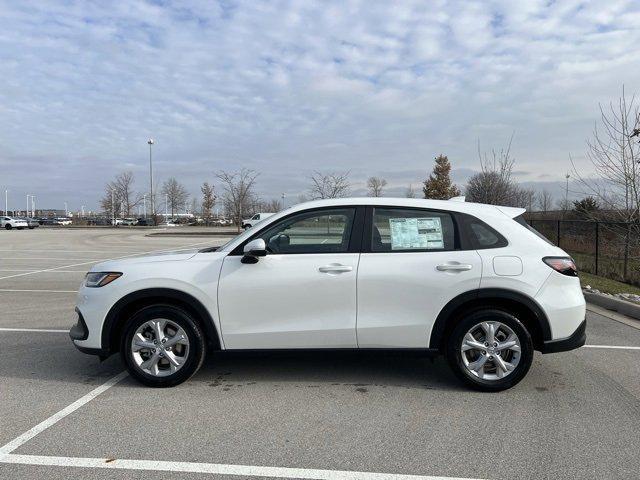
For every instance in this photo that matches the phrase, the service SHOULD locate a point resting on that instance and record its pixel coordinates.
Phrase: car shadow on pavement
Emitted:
(55, 359)
(333, 367)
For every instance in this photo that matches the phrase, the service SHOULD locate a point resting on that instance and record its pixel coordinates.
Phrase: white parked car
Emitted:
(258, 217)
(473, 282)
(11, 222)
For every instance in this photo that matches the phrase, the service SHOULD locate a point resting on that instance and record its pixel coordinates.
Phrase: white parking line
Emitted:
(56, 417)
(613, 347)
(213, 468)
(184, 467)
(37, 330)
(33, 290)
(184, 247)
(35, 270)
(47, 258)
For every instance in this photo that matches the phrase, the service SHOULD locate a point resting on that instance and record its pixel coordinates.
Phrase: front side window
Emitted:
(406, 230)
(256, 217)
(323, 231)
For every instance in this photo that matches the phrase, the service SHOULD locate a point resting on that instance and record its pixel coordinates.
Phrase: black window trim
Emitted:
(368, 227)
(355, 238)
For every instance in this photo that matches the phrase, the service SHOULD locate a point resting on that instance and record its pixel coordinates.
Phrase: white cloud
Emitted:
(288, 87)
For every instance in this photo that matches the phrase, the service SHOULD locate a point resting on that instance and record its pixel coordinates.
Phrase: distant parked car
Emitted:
(128, 222)
(64, 220)
(143, 222)
(250, 222)
(32, 223)
(11, 222)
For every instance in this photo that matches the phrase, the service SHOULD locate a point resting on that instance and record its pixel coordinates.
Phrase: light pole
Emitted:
(166, 208)
(33, 206)
(144, 204)
(66, 210)
(6, 203)
(283, 197)
(153, 210)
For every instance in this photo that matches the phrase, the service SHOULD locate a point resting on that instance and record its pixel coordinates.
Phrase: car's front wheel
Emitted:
(8, 226)
(490, 350)
(163, 346)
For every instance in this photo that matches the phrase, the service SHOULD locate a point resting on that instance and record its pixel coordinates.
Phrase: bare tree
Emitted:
(376, 186)
(119, 193)
(238, 192)
(493, 184)
(208, 201)
(615, 157)
(329, 185)
(110, 202)
(175, 193)
(410, 192)
(545, 201)
(123, 184)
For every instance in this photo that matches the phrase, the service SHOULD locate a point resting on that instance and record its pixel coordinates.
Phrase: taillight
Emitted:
(563, 265)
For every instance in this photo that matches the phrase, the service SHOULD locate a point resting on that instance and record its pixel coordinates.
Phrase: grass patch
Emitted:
(606, 285)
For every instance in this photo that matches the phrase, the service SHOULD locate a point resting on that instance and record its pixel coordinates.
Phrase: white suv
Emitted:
(470, 281)
(10, 222)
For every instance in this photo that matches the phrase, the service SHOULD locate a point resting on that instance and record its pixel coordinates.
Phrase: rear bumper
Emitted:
(575, 340)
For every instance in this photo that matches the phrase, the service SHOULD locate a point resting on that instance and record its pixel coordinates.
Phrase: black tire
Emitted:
(31, 228)
(454, 354)
(8, 226)
(195, 356)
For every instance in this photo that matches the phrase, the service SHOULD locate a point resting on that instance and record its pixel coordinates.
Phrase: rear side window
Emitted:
(408, 230)
(477, 235)
(520, 219)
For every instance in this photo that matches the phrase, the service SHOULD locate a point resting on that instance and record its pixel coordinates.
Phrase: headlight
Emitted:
(100, 279)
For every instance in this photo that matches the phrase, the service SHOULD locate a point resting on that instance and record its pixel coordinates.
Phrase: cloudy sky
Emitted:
(285, 88)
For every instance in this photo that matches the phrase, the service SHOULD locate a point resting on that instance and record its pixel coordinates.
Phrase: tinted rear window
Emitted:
(478, 235)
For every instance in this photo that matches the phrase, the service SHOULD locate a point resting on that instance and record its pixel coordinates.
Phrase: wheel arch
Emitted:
(122, 310)
(525, 308)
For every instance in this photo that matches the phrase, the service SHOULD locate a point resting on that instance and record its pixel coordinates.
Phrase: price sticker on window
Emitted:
(420, 233)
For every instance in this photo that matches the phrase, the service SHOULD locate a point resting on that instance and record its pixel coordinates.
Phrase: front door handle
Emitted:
(335, 268)
(454, 267)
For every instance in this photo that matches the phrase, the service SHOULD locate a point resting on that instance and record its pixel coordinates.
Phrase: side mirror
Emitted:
(254, 249)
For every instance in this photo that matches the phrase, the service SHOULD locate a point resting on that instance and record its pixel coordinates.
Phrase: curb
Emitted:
(610, 303)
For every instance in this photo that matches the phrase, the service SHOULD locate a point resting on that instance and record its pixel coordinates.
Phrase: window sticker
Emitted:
(422, 233)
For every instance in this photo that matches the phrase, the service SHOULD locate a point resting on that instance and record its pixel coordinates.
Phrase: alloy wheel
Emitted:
(160, 347)
(490, 350)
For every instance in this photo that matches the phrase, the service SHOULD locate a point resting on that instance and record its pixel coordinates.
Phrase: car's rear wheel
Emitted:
(490, 350)
(163, 346)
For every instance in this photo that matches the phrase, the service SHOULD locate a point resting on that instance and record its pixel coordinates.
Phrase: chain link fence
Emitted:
(609, 249)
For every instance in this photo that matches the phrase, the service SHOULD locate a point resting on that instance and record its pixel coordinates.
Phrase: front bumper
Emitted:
(575, 340)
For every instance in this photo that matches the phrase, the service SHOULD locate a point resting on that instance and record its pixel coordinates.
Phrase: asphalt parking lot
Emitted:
(328, 416)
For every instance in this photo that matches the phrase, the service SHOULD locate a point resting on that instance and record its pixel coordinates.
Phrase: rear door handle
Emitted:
(337, 268)
(454, 267)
